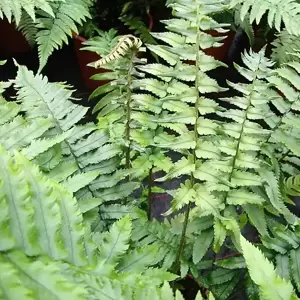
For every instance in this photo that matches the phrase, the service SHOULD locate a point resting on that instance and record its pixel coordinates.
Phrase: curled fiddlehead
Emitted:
(125, 43)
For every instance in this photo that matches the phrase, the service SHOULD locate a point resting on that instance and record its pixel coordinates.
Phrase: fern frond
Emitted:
(28, 28)
(158, 235)
(295, 267)
(284, 44)
(139, 28)
(54, 30)
(48, 203)
(13, 9)
(262, 272)
(84, 145)
(19, 133)
(118, 237)
(42, 278)
(287, 11)
(43, 218)
(292, 185)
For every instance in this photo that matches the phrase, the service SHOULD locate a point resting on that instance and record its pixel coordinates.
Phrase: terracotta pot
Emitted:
(14, 42)
(220, 53)
(84, 58)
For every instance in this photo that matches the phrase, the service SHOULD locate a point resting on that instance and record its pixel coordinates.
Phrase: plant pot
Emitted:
(14, 42)
(220, 53)
(84, 58)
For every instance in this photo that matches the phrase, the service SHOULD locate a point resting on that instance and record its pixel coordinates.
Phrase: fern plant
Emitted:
(130, 116)
(228, 154)
(228, 157)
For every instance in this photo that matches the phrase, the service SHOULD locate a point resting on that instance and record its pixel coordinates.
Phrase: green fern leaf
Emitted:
(166, 291)
(81, 180)
(62, 171)
(201, 245)
(184, 141)
(243, 178)
(42, 278)
(252, 289)
(263, 274)
(181, 167)
(24, 136)
(165, 53)
(282, 266)
(183, 196)
(69, 216)
(295, 266)
(274, 194)
(14, 8)
(224, 290)
(257, 217)
(154, 86)
(286, 11)
(114, 243)
(219, 235)
(10, 283)
(117, 192)
(206, 203)
(232, 263)
(54, 31)
(6, 239)
(39, 146)
(242, 197)
(137, 260)
(220, 276)
(28, 27)
(8, 111)
(20, 217)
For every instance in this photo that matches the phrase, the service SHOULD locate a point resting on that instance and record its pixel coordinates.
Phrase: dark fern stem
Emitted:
(150, 183)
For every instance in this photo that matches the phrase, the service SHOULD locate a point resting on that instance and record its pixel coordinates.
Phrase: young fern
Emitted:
(130, 116)
(125, 43)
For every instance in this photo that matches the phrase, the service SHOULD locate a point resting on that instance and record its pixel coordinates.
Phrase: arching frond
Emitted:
(55, 30)
(278, 11)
